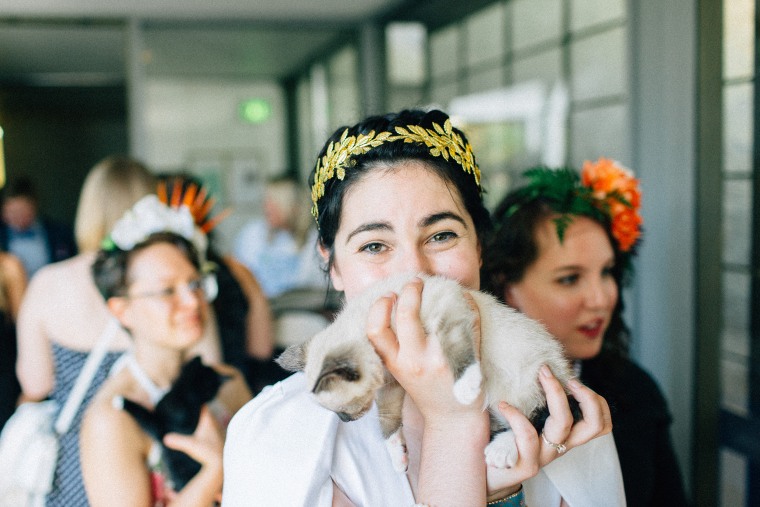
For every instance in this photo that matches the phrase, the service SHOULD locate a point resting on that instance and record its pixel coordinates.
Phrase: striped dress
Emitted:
(68, 487)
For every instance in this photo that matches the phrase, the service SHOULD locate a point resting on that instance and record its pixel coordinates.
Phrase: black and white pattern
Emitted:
(68, 488)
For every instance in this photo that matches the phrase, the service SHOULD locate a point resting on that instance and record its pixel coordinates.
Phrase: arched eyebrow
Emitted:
(438, 217)
(424, 222)
(371, 226)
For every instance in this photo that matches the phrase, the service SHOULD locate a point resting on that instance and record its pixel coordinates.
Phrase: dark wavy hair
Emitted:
(512, 248)
(383, 157)
(111, 267)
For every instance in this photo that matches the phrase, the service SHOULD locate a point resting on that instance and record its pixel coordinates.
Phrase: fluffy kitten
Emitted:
(179, 411)
(346, 374)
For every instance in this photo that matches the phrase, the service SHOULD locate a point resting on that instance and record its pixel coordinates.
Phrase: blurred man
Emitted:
(31, 238)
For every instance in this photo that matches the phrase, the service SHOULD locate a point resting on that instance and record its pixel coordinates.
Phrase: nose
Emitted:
(188, 295)
(415, 261)
(600, 293)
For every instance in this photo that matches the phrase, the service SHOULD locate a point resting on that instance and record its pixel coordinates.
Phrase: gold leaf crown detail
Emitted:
(442, 141)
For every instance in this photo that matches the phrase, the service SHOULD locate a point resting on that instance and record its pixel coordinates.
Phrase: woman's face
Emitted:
(165, 302)
(570, 287)
(399, 220)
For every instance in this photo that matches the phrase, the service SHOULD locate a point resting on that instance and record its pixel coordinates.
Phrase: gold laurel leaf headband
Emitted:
(442, 141)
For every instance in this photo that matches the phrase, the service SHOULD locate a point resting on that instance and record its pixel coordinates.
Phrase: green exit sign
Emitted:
(255, 110)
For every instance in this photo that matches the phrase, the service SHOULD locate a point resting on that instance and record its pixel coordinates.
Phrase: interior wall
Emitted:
(664, 97)
(195, 125)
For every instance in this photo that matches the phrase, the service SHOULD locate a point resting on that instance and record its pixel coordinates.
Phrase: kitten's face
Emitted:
(345, 380)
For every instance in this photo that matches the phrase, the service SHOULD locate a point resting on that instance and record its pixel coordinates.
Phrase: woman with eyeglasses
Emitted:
(151, 274)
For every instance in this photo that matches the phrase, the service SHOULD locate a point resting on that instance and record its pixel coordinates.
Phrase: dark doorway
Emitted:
(54, 135)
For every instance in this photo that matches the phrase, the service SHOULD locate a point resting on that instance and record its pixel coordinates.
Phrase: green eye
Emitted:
(372, 247)
(443, 236)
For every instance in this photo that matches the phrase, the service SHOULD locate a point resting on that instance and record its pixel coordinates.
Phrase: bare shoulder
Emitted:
(106, 423)
(62, 274)
(11, 264)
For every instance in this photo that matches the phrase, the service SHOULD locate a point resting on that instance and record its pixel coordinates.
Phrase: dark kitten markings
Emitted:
(347, 375)
(178, 412)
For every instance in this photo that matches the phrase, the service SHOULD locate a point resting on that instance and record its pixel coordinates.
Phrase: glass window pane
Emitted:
(343, 64)
(737, 127)
(586, 13)
(406, 49)
(404, 98)
(734, 384)
(598, 132)
(535, 21)
(344, 87)
(485, 35)
(441, 93)
(736, 287)
(737, 222)
(733, 478)
(307, 152)
(444, 51)
(599, 65)
(738, 38)
(545, 66)
(485, 80)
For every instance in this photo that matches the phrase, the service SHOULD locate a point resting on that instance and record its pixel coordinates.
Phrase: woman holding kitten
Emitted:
(154, 279)
(395, 194)
(561, 251)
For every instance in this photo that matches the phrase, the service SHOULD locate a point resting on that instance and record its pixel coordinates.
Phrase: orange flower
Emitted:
(618, 192)
(626, 228)
(602, 177)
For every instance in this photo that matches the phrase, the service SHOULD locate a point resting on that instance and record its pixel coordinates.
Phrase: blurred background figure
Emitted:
(34, 239)
(154, 275)
(561, 253)
(63, 315)
(280, 248)
(12, 287)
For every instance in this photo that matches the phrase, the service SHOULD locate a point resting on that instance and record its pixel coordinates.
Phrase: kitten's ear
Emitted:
(335, 370)
(293, 358)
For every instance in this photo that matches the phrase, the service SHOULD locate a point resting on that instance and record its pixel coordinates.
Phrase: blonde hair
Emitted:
(113, 185)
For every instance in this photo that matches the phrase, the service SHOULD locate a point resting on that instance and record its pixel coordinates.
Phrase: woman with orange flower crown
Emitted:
(560, 253)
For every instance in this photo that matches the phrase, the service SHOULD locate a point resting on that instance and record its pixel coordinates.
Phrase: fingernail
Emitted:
(546, 372)
(574, 384)
(503, 405)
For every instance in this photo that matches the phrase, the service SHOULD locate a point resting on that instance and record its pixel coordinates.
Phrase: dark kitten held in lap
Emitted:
(178, 412)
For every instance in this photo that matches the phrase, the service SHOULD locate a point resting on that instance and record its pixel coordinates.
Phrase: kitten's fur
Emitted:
(346, 374)
(179, 411)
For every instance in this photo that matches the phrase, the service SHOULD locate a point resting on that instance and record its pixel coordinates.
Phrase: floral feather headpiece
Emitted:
(178, 192)
(443, 141)
(604, 191)
(183, 210)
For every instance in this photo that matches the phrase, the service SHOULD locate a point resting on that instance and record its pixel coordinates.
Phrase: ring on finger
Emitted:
(560, 448)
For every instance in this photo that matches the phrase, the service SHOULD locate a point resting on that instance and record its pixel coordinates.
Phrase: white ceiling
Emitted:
(82, 42)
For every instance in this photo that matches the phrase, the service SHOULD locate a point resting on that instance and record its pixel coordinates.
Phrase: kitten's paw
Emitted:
(467, 388)
(502, 451)
(396, 446)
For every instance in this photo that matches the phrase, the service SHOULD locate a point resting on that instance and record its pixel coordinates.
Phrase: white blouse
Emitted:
(284, 450)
